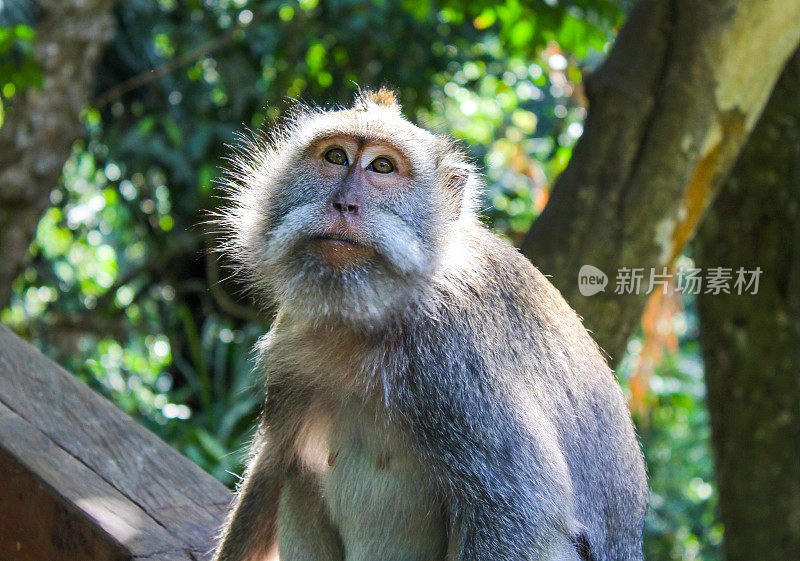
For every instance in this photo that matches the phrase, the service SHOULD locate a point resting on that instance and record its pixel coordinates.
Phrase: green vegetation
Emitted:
(122, 290)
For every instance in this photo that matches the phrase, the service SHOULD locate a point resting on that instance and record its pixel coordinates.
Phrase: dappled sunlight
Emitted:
(120, 518)
(113, 188)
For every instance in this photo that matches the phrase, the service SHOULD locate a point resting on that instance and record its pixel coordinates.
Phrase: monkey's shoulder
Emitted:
(501, 302)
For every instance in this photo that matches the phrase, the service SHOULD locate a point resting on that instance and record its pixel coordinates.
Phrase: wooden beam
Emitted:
(86, 481)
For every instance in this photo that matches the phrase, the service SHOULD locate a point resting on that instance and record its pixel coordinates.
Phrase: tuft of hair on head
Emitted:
(384, 97)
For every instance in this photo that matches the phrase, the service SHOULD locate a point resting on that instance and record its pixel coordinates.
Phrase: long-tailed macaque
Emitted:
(430, 395)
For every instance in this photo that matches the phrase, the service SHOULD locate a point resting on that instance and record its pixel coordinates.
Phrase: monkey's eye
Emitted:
(381, 165)
(336, 156)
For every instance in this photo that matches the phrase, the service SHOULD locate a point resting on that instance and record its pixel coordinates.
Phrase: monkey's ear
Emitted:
(457, 176)
(455, 180)
(384, 97)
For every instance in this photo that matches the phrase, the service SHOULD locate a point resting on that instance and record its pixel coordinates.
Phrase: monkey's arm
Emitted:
(507, 487)
(250, 531)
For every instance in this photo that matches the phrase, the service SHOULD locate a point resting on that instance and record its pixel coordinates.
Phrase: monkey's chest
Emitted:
(377, 493)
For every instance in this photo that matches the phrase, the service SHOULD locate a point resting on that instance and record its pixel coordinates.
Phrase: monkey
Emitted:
(430, 395)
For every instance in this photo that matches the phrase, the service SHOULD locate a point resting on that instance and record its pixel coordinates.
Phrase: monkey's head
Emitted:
(346, 214)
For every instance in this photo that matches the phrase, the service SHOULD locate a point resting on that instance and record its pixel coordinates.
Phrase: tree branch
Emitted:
(751, 341)
(41, 125)
(670, 110)
(174, 64)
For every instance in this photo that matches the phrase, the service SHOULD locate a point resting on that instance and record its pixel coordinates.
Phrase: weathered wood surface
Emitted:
(81, 480)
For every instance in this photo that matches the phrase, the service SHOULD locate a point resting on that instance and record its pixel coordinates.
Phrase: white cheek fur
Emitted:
(359, 295)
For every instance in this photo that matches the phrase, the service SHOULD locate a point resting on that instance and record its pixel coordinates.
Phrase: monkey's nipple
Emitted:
(332, 457)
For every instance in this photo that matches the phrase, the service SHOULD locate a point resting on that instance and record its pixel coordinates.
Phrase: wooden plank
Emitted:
(187, 503)
(54, 507)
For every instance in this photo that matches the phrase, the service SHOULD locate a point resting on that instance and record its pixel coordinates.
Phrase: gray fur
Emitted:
(439, 401)
(305, 530)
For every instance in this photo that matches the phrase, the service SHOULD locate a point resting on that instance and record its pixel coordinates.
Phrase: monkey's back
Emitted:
(504, 361)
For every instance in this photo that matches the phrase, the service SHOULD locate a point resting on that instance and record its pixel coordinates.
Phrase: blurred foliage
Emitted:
(122, 289)
(673, 425)
(18, 67)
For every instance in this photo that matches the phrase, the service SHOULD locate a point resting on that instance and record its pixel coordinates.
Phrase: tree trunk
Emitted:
(751, 343)
(669, 111)
(41, 124)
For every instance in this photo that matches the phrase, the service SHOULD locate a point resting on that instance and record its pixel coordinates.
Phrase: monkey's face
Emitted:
(361, 180)
(347, 216)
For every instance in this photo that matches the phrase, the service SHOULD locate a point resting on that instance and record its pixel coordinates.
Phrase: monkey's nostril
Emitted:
(345, 207)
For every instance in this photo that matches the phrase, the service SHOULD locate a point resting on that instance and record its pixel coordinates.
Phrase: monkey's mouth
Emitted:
(340, 251)
(338, 238)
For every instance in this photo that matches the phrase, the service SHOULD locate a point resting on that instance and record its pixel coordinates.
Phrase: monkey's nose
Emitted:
(347, 199)
(345, 207)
